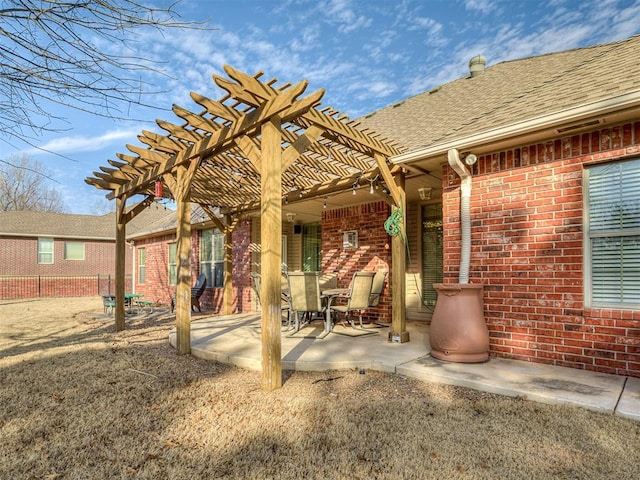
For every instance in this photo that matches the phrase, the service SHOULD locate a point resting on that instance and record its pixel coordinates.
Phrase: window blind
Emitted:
(614, 232)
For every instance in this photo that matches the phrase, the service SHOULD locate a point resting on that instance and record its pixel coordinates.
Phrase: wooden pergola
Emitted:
(244, 153)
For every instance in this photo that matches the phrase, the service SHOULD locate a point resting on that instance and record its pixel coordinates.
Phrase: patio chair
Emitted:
(256, 283)
(357, 299)
(376, 292)
(109, 303)
(304, 296)
(377, 288)
(196, 292)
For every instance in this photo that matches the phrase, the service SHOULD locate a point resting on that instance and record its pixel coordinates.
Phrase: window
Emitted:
(312, 247)
(74, 250)
(612, 239)
(350, 239)
(173, 265)
(142, 265)
(45, 250)
(212, 257)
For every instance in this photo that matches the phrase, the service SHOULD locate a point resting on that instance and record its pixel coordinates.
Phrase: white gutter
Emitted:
(573, 114)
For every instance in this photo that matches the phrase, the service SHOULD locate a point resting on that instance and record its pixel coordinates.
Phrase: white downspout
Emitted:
(465, 212)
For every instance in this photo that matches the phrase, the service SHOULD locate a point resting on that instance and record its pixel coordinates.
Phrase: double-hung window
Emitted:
(173, 264)
(45, 250)
(142, 265)
(212, 256)
(612, 235)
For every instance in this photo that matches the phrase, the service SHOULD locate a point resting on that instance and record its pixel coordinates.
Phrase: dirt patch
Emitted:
(80, 401)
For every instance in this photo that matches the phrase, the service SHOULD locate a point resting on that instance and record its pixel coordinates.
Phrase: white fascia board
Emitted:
(611, 104)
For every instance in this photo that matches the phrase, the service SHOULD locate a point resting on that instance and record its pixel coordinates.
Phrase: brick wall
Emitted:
(242, 267)
(527, 249)
(373, 252)
(213, 298)
(156, 287)
(19, 256)
(42, 286)
(21, 276)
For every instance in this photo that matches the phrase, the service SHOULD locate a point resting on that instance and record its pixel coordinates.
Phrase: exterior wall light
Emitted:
(425, 193)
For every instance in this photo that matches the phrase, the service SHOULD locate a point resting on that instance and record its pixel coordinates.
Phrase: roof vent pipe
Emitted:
(465, 212)
(476, 65)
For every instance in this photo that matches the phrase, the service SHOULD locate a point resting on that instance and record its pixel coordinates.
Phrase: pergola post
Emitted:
(271, 253)
(228, 269)
(398, 268)
(183, 286)
(121, 224)
(180, 186)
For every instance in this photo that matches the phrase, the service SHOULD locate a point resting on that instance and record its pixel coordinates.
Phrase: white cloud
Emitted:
(80, 143)
(483, 6)
(341, 12)
(377, 89)
(307, 39)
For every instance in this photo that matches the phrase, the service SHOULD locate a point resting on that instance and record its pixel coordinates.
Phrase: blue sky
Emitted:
(365, 54)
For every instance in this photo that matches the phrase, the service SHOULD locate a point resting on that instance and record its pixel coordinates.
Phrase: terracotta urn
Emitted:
(458, 332)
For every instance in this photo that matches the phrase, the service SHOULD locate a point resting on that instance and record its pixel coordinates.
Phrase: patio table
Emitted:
(328, 295)
(132, 302)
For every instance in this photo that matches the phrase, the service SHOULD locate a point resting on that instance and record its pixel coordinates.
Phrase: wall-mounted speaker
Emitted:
(297, 229)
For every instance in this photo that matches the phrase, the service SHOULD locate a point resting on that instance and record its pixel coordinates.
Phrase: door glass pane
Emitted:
(312, 247)
(431, 252)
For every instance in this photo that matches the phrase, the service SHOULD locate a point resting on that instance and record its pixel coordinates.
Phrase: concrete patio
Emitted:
(236, 340)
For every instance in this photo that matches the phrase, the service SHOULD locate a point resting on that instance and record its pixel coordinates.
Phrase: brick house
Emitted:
(555, 224)
(315, 245)
(59, 254)
(555, 229)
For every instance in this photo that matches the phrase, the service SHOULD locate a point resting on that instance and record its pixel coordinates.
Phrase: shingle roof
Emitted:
(102, 227)
(168, 223)
(510, 92)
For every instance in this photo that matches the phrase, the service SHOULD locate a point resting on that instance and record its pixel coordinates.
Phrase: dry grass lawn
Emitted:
(79, 401)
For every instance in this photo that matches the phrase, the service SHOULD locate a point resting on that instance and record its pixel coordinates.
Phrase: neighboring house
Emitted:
(555, 220)
(44, 253)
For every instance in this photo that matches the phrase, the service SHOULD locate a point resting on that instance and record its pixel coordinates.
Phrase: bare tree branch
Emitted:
(77, 54)
(23, 186)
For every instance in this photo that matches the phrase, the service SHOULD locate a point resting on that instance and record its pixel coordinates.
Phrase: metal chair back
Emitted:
(377, 288)
(360, 290)
(304, 292)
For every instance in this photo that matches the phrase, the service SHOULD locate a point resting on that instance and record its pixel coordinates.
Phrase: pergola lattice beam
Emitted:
(284, 105)
(320, 147)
